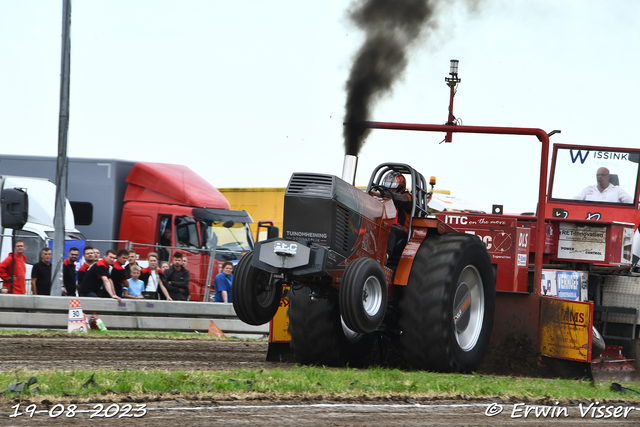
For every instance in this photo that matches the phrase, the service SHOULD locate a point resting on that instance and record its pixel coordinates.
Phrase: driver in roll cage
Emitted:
(396, 183)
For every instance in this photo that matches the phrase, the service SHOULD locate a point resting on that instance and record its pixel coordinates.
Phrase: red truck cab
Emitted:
(163, 197)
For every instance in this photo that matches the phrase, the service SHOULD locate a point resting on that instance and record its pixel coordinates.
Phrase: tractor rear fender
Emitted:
(422, 228)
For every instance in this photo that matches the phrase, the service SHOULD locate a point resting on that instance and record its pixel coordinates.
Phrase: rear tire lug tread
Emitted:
(425, 315)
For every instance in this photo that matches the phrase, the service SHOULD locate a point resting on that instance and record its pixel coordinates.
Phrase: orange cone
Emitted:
(214, 330)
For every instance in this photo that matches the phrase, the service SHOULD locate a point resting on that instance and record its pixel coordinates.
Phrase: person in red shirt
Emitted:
(97, 281)
(119, 274)
(17, 285)
(88, 262)
(69, 273)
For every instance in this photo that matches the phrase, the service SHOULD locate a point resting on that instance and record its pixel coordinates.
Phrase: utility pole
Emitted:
(61, 166)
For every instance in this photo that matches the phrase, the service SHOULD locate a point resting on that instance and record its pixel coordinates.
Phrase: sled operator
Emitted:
(396, 183)
(604, 191)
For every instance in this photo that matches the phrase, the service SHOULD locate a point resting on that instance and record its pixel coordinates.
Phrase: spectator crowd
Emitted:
(117, 275)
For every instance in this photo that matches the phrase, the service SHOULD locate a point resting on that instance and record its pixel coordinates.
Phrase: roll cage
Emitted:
(419, 194)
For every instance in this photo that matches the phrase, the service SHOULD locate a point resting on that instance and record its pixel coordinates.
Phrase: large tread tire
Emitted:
(317, 336)
(450, 270)
(363, 295)
(255, 298)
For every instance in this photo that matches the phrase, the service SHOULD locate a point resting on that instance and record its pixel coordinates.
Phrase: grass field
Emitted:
(305, 381)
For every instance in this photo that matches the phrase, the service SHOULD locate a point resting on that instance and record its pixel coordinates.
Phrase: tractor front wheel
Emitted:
(256, 297)
(448, 305)
(318, 335)
(363, 295)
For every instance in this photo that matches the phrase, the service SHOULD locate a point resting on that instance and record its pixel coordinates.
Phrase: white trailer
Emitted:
(38, 230)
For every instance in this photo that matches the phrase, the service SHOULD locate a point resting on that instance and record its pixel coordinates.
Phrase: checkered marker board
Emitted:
(77, 322)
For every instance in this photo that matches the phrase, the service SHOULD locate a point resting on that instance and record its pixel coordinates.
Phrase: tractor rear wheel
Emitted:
(363, 295)
(256, 297)
(448, 305)
(318, 336)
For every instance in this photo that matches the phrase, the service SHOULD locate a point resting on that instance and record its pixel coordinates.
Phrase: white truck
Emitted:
(38, 230)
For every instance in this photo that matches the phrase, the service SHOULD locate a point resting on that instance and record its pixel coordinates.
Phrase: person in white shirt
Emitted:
(604, 191)
(153, 278)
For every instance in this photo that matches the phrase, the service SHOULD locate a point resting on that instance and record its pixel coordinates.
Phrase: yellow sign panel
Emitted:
(566, 328)
(279, 328)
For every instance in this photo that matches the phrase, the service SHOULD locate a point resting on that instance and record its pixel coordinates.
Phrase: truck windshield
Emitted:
(593, 175)
(235, 239)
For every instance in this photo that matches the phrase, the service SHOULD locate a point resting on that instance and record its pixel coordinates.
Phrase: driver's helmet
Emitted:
(394, 181)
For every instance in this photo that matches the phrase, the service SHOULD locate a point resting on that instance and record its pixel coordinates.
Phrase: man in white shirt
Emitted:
(604, 191)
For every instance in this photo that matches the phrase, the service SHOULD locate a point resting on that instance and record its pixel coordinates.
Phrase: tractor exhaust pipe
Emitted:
(349, 169)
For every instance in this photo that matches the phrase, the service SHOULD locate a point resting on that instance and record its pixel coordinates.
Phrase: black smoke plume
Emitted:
(391, 27)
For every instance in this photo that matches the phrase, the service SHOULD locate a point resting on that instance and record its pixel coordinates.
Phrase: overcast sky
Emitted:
(247, 92)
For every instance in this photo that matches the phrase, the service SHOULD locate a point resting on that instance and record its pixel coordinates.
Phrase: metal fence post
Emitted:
(207, 289)
(213, 244)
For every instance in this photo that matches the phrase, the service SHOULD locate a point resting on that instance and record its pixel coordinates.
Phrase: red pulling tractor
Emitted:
(550, 285)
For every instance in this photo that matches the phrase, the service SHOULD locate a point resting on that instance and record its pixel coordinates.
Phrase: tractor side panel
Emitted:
(595, 242)
(565, 329)
(507, 244)
(509, 251)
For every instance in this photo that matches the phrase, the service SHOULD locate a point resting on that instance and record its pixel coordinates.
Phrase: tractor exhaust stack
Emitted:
(349, 169)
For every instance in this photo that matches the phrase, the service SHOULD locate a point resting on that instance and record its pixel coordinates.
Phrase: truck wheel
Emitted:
(448, 305)
(318, 336)
(255, 297)
(363, 295)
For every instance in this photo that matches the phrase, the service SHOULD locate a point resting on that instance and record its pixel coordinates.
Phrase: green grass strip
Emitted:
(303, 381)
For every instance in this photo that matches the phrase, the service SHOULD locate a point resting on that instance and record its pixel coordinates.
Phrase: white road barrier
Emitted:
(46, 312)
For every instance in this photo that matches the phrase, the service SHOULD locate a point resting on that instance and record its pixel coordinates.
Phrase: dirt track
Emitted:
(49, 353)
(88, 353)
